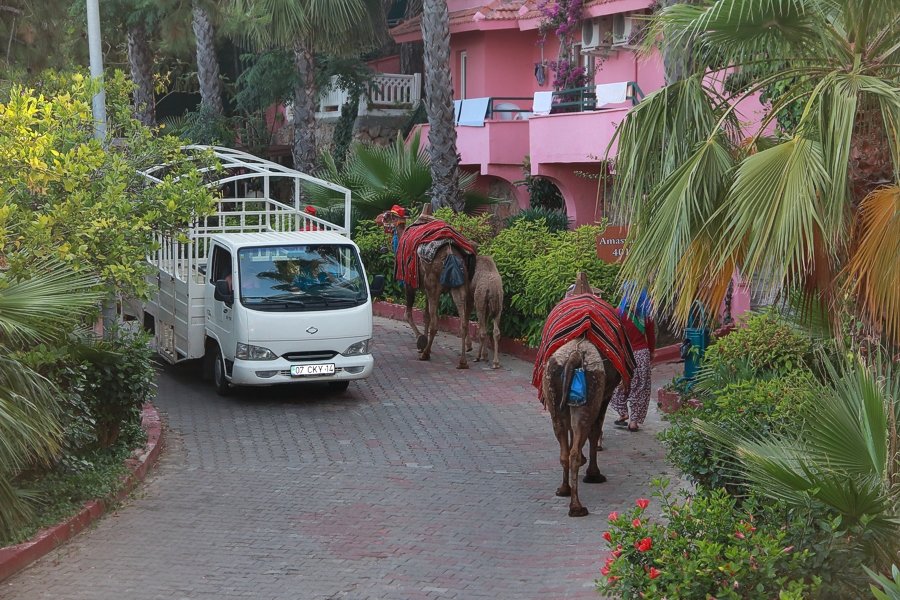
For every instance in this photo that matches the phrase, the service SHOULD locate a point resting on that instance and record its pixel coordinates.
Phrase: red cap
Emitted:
(310, 210)
(398, 210)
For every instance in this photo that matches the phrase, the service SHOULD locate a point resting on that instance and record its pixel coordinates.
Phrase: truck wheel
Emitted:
(338, 386)
(223, 388)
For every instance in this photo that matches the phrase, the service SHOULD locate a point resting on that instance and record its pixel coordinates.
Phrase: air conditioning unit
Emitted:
(590, 34)
(621, 29)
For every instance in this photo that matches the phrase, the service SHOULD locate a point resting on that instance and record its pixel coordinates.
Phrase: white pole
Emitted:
(99, 100)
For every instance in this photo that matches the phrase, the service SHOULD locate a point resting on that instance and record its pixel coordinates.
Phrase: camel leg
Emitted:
(579, 435)
(410, 300)
(496, 340)
(482, 334)
(593, 474)
(431, 319)
(562, 436)
(460, 297)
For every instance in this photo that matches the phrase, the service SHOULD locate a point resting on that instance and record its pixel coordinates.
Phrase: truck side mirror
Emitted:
(222, 293)
(377, 287)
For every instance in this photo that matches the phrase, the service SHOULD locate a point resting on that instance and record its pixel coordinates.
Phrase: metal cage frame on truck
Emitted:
(177, 303)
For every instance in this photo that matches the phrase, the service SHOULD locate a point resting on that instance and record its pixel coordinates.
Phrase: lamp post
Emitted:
(98, 104)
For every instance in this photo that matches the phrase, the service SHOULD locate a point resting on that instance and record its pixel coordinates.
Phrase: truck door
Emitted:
(219, 314)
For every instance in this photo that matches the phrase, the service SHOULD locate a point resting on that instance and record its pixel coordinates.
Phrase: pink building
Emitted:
(498, 63)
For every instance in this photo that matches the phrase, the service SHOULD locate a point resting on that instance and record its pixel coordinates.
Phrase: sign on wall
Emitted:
(611, 243)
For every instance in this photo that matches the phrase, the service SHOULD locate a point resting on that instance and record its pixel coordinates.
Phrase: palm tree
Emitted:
(140, 59)
(845, 459)
(307, 27)
(380, 177)
(705, 198)
(439, 102)
(207, 62)
(32, 311)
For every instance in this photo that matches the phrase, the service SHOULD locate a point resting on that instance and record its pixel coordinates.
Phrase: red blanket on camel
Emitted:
(407, 261)
(589, 316)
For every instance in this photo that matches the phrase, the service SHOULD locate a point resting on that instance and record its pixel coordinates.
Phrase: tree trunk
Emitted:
(439, 103)
(411, 53)
(675, 61)
(140, 58)
(306, 99)
(207, 63)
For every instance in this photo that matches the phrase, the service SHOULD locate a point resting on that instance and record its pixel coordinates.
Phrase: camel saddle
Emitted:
(585, 315)
(407, 265)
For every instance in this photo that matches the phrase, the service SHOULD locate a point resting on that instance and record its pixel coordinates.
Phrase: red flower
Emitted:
(617, 553)
(613, 516)
(654, 572)
(636, 523)
(605, 571)
(607, 537)
(644, 545)
(643, 503)
(612, 579)
(788, 550)
(739, 535)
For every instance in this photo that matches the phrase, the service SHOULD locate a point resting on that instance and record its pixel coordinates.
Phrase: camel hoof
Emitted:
(421, 342)
(462, 365)
(578, 511)
(594, 478)
(495, 366)
(477, 359)
(564, 491)
(424, 357)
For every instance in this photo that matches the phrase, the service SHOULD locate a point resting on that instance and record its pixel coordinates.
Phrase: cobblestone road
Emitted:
(420, 482)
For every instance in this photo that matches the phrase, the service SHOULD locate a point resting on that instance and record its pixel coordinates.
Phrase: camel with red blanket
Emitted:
(433, 257)
(582, 333)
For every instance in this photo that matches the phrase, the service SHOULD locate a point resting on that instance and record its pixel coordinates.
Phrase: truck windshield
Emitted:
(301, 278)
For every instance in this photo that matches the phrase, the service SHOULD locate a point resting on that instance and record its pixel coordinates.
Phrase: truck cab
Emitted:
(286, 307)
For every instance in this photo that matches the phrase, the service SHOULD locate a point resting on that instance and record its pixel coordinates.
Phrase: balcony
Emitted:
(389, 94)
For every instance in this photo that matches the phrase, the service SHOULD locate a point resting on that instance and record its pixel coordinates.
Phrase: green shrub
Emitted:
(762, 406)
(476, 228)
(548, 276)
(556, 220)
(119, 381)
(705, 547)
(765, 347)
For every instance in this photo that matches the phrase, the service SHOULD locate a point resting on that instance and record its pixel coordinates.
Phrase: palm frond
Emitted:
(34, 309)
(773, 207)
(873, 270)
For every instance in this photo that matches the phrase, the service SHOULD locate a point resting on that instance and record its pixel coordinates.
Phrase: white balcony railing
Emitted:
(388, 93)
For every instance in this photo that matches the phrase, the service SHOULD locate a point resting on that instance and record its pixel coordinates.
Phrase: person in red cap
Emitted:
(397, 220)
(309, 226)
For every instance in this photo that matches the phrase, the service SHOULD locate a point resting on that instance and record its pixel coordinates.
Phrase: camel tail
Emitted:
(573, 362)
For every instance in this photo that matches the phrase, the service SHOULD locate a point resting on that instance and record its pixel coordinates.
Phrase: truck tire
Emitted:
(223, 388)
(338, 387)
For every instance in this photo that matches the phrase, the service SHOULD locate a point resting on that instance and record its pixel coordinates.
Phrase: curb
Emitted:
(449, 324)
(15, 558)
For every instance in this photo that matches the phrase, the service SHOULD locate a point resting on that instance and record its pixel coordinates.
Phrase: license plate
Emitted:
(305, 370)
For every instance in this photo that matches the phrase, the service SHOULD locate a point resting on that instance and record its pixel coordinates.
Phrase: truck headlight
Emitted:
(250, 352)
(357, 349)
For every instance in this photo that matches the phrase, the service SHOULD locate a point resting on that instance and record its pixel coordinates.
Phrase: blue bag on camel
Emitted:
(452, 275)
(578, 389)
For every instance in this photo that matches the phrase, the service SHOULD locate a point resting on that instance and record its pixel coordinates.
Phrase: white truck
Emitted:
(263, 292)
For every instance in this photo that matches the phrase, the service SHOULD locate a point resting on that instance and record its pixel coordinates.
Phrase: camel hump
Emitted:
(581, 284)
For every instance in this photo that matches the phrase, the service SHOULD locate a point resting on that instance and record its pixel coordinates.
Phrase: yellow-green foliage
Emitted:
(473, 227)
(63, 195)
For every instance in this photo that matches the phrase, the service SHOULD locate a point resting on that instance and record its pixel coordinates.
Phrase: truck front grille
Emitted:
(311, 356)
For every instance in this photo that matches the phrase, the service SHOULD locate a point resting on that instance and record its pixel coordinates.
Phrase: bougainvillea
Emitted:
(562, 18)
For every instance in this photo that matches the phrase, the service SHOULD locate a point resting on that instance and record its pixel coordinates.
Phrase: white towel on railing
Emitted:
(543, 102)
(612, 93)
(473, 112)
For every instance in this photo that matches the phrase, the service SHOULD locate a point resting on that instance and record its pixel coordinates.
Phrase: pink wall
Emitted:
(388, 64)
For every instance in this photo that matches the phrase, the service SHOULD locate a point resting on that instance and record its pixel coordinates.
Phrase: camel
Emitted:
(429, 281)
(573, 425)
(487, 289)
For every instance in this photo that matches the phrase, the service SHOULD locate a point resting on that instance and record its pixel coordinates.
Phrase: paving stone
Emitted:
(420, 482)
